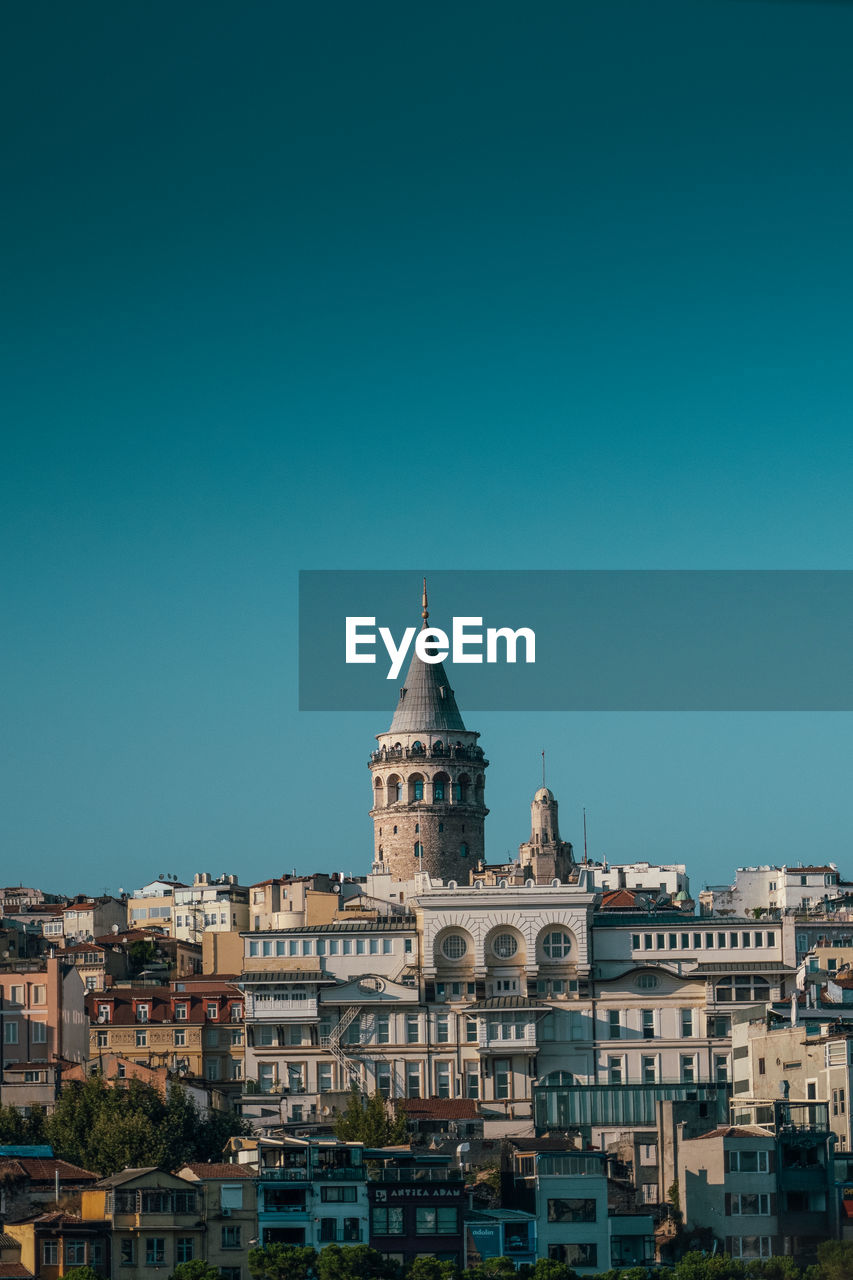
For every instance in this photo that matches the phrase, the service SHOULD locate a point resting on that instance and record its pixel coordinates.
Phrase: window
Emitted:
(571, 1211)
(614, 1070)
(505, 946)
(650, 1070)
(141, 1039)
(324, 1077)
(503, 1078)
(231, 1195)
(211, 1011)
(387, 1222)
(181, 1012)
(471, 1030)
(340, 1195)
(749, 1162)
(39, 1030)
(749, 1246)
(648, 1020)
(155, 1251)
(688, 1068)
(413, 1080)
(686, 1023)
(743, 989)
(142, 1012)
(50, 1253)
(442, 1028)
(575, 1255)
(10, 1032)
(127, 1256)
(647, 980)
(413, 1034)
(615, 1023)
(383, 1079)
(231, 1237)
(436, 1222)
(442, 1079)
(103, 1039)
(721, 1068)
(472, 1081)
(236, 1037)
(184, 1246)
(557, 945)
(753, 1204)
(383, 1028)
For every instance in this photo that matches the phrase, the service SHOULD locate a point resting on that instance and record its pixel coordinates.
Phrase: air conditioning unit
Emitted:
(226, 1213)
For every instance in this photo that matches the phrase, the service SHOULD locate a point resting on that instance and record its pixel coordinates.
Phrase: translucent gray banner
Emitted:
(604, 640)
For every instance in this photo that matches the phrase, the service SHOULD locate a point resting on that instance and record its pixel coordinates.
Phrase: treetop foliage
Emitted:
(107, 1129)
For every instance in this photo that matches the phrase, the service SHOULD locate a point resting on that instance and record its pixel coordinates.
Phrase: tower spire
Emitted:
(424, 608)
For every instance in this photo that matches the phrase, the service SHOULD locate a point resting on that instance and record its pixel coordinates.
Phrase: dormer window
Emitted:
(104, 1013)
(181, 1012)
(142, 1012)
(212, 1012)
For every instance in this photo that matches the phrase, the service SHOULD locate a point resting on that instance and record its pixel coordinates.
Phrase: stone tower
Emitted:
(428, 777)
(545, 856)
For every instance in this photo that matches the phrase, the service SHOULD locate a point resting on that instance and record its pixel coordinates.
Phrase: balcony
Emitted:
(279, 1009)
(344, 1173)
(502, 1042)
(415, 1175)
(285, 1173)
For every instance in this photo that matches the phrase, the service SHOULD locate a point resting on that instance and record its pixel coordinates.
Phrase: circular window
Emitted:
(504, 946)
(557, 945)
(454, 947)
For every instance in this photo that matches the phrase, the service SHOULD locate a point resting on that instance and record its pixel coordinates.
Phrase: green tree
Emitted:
(369, 1122)
(551, 1269)
(107, 1129)
(282, 1262)
(835, 1259)
(197, 1269)
(493, 1269)
(353, 1262)
(700, 1266)
(83, 1273)
(141, 955)
(428, 1268)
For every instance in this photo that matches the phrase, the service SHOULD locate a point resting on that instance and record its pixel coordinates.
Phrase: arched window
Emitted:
(743, 988)
(438, 748)
(557, 944)
(419, 849)
(463, 850)
(417, 748)
(505, 946)
(454, 947)
(438, 791)
(418, 790)
(560, 1077)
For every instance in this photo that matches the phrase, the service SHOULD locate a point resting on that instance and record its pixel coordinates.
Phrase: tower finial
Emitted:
(543, 768)
(425, 609)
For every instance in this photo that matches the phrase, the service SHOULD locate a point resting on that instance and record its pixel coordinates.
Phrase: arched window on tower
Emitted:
(419, 849)
(418, 790)
(463, 850)
(438, 791)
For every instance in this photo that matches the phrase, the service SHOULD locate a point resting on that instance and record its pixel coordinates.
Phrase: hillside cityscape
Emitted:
(550, 1065)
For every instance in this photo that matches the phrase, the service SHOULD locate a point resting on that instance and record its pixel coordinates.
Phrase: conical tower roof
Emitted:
(427, 704)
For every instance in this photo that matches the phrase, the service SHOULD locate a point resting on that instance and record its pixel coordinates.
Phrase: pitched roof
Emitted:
(221, 1170)
(734, 1131)
(14, 1271)
(127, 1175)
(426, 701)
(38, 1169)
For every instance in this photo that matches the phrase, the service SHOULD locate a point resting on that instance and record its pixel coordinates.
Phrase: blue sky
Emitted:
(413, 287)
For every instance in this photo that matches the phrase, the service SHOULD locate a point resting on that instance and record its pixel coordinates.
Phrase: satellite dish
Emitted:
(102, 1017)
(114, 928)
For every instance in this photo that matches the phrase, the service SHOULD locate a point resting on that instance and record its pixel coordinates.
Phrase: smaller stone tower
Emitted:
(545, 856)
(428, 777)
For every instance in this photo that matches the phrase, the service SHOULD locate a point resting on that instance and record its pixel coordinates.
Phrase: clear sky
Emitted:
(411, 286)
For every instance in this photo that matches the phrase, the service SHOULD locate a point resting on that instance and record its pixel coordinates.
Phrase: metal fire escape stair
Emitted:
(332, 1043)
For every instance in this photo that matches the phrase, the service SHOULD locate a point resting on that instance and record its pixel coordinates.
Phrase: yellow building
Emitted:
(154, 1217)
(230, 1212)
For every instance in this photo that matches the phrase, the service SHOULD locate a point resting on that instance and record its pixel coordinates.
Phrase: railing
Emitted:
(278, 1007)
(408, 753)
(498, 1042)
(415, 1175)
(346, 1173)
(341, 1237)
(283, 1173)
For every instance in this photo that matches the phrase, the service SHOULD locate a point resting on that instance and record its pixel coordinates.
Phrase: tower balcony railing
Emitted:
(382, 754)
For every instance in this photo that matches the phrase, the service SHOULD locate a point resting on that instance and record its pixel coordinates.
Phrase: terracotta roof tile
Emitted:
(221, 1170)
